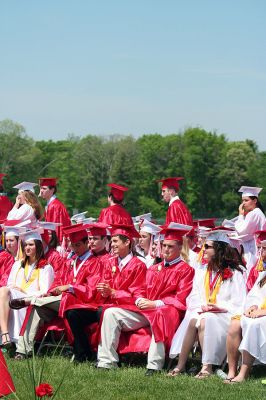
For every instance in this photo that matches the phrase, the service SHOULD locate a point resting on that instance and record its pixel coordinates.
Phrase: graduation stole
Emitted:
(28, 279)
(259, 264)
(212, 286)
(263, 305)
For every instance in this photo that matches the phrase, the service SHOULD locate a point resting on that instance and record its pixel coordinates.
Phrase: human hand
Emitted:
(241, 209)
(146, 304)
(105, 289)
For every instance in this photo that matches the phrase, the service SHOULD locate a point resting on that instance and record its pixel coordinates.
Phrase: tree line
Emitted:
(214, 168)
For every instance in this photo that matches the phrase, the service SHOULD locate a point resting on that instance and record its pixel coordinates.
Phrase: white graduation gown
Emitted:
(231, 296)
(37, 288)
(254, 330)
(246, 226)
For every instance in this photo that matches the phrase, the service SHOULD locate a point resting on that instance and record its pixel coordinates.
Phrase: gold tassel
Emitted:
(200, 255)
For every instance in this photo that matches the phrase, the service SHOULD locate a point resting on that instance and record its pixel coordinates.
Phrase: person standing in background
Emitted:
(55, 211)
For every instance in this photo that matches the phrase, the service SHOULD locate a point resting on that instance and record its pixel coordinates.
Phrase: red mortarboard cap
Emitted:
(173, 234)
(117, 190)
(171, 182)
(261, 236)
(1, 178)
(68, 228)
(97, 229)
(76, 233)
(125, 230)
(47, 181)
(207, 223)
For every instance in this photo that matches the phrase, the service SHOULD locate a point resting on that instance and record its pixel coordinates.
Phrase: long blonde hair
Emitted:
(33, 201)
(185, 250)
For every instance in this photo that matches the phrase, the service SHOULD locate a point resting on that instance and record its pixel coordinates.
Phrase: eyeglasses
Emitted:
(208, 246)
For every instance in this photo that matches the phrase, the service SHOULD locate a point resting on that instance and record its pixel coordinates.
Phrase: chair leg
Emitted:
(42, 343)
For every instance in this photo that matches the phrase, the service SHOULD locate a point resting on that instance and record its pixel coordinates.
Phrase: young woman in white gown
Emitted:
(253, 325)
(30, 276)
(218, 293)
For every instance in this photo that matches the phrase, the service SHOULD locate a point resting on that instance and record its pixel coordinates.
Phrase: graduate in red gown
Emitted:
(121, 283)
(168, 285)
(115, 213)
(5, 204)
(76, 285)
(177, 211)
(50, 252)
(55, 211)
(6, 382)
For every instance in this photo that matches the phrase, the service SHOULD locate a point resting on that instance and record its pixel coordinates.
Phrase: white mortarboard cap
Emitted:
(51, 226)
(149, 227)
(219, 235)
(14, 230)
(248, 191)
(89, 220)
(158, 236)
(34, 234)
(138, 218)
(235, 241)
(25, 186)
(79, 218)
(176, 225)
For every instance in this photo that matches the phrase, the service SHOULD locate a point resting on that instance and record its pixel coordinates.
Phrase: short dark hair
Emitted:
(53, 187)
(114, 199)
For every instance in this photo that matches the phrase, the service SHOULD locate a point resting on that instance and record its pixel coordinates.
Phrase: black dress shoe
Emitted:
(150, 372)
(17, 304)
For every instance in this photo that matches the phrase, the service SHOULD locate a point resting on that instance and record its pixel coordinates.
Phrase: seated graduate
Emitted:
(218, 293)
(168, 285)
(31, 276)
(121, 283)
(76, 278)
(11, 245)
(246, 335)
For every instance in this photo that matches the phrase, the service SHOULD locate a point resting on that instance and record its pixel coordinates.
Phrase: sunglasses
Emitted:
(208, 246)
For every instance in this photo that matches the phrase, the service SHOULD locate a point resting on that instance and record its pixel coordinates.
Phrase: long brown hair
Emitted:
(38, 255)
(224, 257)
(33, 201)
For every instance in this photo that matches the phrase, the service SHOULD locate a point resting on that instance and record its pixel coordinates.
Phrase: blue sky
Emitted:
(134, 67)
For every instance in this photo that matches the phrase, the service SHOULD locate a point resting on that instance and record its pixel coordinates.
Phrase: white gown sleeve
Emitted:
(46, 279)
(237, 289)
(249, 224)
(23, 213)
(13, 273)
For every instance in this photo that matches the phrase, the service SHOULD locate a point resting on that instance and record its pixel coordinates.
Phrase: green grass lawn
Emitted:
(86, 382)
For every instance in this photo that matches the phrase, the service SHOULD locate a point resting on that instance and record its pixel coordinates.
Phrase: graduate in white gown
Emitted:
(251, 219)
(248, 335)
(27, 205)
(218, 293)
(30, 276)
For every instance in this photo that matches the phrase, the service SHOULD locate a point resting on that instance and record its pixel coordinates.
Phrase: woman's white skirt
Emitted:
(254, 337)
(214, 342)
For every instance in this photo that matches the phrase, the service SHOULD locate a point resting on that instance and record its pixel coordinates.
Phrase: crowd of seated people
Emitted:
(108, 280)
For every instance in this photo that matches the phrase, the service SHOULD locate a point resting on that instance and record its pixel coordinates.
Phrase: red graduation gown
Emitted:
(84, 285)
(6, 383)
(5, 206)
(178, 212)
(55, 260)
(6, 263)
(172, 285)
(115, 214)
(57, 212)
